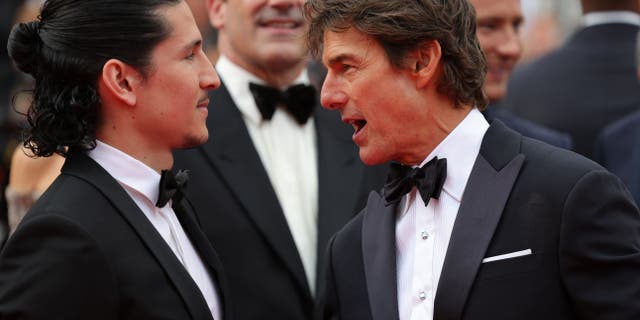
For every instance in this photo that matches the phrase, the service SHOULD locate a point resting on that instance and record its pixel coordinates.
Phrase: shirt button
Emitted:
(422, 295)
(424, 235)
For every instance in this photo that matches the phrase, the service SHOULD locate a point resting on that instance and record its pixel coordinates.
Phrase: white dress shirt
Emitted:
(142, 184)
(603, 17)
(422, 233)
(288, 153)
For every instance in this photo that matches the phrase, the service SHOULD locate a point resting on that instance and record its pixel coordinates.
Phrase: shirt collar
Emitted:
(127, 170)
(603, 17)
(461, 148)
(236, 80)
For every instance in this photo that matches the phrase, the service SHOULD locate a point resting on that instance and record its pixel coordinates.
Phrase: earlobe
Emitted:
(216, 13)
(427, 61)
(120, 80)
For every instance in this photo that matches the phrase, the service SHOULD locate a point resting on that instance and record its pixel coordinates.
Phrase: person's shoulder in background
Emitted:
(29, 177)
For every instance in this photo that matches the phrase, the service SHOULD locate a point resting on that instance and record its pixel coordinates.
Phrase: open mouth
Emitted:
(357, 125)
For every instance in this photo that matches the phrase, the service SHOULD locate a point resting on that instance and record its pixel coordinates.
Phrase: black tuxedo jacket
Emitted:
(581, 87)
(242, 217)
(577, 219)
(86, 251)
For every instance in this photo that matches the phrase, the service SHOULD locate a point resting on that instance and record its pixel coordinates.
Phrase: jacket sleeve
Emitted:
(600, 248)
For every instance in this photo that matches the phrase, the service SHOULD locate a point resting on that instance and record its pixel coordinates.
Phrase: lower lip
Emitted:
(358, 137)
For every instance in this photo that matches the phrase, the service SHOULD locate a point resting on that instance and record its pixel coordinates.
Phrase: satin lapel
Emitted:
(186, 214)
(231, 153)
(492, 177)
(83, 167)
(339, 177)
(379, 256)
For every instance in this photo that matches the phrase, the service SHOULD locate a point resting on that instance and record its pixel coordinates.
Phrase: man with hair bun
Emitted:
(475, 221)
(119, 85)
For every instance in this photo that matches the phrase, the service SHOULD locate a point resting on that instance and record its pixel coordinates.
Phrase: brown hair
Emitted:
(401, 26)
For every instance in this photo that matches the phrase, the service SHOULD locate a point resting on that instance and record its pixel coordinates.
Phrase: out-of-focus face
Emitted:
(262, 36)
(498, 30)
(199, 10)
(173, 99)
(383, 104)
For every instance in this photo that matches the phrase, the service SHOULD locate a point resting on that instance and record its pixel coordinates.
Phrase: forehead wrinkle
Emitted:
(360, 56)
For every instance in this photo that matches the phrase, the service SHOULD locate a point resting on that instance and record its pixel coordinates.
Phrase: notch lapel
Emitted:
(492, 178)
(185, 213)
(379, 256)
(232, 154)
(81, 166)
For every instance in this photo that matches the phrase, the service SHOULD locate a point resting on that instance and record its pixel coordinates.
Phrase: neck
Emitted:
(155, 157)
(442, 121)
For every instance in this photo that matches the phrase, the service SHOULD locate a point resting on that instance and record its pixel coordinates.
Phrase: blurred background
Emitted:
(547, 24)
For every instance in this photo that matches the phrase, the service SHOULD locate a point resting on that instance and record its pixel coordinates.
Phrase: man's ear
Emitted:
(425, 62)
(121, 81)
(216, 10)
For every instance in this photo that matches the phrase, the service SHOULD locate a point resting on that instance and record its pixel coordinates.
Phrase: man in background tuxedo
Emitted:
(279, 175)
(498, 25)
(475, 221)
(618, 146)
(587, 83)
(618, 150)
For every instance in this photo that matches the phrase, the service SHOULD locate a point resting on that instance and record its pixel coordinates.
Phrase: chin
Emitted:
(283, 58)
(194, 141)
(495, 92)
(371, 159)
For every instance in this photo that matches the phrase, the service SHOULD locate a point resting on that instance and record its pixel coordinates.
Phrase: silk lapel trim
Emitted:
(184, 212)
(482, 204)
(379, 256)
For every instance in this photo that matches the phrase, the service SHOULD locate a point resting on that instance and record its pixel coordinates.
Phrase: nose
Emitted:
(209, 79)
(511, 44)
(332, 96)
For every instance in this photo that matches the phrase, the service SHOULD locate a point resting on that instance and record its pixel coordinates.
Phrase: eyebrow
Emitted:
(339, 58)
(499, 19)
(192, 44)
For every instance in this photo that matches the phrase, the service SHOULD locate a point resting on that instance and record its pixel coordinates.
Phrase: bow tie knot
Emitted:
(172, 186)
(299, 100)
(429, 180)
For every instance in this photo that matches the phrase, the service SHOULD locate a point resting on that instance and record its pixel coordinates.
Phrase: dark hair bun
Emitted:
(24, 46)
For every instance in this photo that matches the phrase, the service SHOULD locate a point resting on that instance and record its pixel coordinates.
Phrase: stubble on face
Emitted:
(193, 141)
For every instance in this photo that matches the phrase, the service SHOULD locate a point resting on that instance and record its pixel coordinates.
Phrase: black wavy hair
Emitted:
(65, 51)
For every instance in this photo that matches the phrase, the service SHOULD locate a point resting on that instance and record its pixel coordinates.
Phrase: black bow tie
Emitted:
(429, 179)
(298, 100)
(172, 186)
